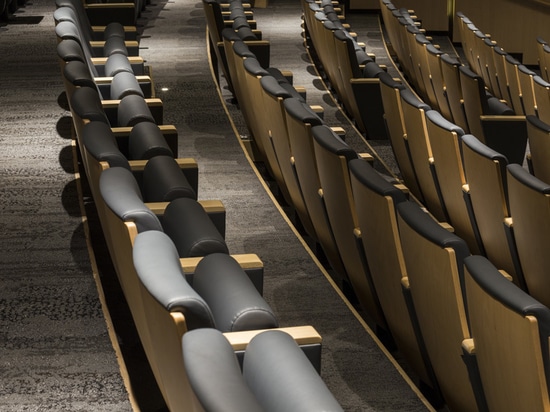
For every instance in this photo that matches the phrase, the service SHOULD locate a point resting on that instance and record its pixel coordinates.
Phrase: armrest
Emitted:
(305, 336)
(145, 83)
(131, 45)
(155, 106)
(130, 32)
(137, 63)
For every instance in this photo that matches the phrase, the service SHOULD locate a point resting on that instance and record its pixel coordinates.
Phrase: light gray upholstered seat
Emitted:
(276, 375)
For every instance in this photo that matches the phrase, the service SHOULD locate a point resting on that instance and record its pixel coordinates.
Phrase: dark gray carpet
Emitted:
(55, 352)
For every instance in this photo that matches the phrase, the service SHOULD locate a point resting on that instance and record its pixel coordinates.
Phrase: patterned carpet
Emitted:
(56, 353)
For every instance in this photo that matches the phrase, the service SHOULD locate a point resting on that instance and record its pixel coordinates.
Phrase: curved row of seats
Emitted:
(168, 248)
(449, 309)
(510, 200)
(349, 71)
(526, 90)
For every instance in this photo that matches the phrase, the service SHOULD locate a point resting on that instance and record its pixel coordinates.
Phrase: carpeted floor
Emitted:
(56, 353)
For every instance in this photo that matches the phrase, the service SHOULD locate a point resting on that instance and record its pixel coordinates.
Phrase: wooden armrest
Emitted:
(127, 43)
(317, 108)
(403, 188)
(288, 75)
(112, 104)
(506, 275)
(509, 222)
(301, 90)
(125, 131)
(210, 206)
(447, 226)
(468, 346)
(339, 131)
(303, 335)
(131, 59)
(108, 80)
(245, 261)
(366, 156)
(183, 163)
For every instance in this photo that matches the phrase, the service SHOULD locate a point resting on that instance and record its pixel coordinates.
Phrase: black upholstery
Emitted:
(164, 181)
(190, 228)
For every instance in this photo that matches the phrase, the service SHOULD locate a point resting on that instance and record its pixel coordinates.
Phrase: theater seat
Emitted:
(273, 365)
(434, 260)
(375, 198)
(510, 335)
(485, 171)
(530, 211)
(219, 295)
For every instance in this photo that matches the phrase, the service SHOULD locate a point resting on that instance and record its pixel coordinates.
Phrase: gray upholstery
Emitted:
(235, 302)
(274, 360)
(158, 267)
(124, 84)
(122, 195)
(86, 103)
(69, 50)
(277, 375)
(332, 142)
(100, 142)
(80, 17)
(164, 181)
(191, 229)
(214, 373)
(147, 141)
(132, 110)
(370, 178)
(301, 111)
(117, 63)
(78, 74)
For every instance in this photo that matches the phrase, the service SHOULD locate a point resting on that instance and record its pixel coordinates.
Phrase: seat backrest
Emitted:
(414, 115)
(530, 210)
(525, 76)
(257, 118)
(348, 68)
(434, 262)
(273, 364)
(510, 330)
(416, 41)
(332, 156)
(449, 69)
(375, 199)
(395, 124)
(499, 60)
(541, 90)
(475, 100)
(543, 50)
(300, 119)
(433, 55)
(512, 75)
(538, 133)
(273, 94)
(445, 143)
(485, 171)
